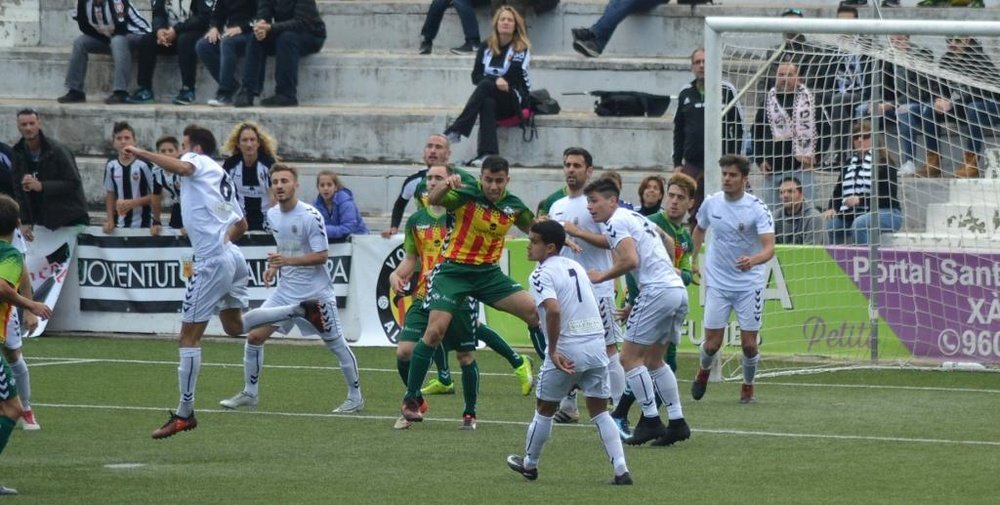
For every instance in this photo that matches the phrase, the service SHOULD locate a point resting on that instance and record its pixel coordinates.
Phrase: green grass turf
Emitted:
(859, 437)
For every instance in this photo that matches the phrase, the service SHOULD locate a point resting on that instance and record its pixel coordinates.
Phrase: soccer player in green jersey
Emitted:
(11, 268)
(481, 216)
(681, 191)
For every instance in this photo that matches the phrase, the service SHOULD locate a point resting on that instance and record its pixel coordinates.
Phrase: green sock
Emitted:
(7, 427)
(470, 387)
(441, 362)
(671, 357)
(403, 367)
(538, 341)
(419, 363)
(494, 341)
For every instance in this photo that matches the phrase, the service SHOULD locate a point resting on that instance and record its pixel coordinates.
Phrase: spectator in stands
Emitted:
(253, 152)
(975, 107)
(176, 30)
(651, 191)
(114, 27)
(850, 212)
(129, 185)
(51, 190)
(951, 3)
(591, 41)
(336, 203)
(466, 13)
(289, 29)
(502, 82)
(437, 151)
(785, 134)
(167, 182)
(231, 30)
(797, 220)
(689, 127)
(847, 91)
(908, 102)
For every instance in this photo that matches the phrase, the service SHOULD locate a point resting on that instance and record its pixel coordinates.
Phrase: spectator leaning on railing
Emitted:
(51, 191)
(336, 203)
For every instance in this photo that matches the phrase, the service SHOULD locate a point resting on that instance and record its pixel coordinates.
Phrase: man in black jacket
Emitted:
(52, 192)
(108, 26)
(689, 127)
(176, 30)
(289, 29)
(230, 32)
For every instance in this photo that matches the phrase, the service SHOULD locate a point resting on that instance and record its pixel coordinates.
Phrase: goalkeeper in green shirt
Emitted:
(681, 190)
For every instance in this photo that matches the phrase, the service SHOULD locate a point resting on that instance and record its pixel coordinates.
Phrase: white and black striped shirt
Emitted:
(127, 182)
(106, 15)
(253, 184)
(857, 181)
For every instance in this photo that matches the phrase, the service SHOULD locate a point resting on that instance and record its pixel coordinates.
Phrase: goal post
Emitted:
(920, 287)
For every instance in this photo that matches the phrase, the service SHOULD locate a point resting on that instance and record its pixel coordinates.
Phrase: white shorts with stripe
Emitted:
(13, 341)
(749, 307)
(218, 283)
(612, 331)
(328, 303)
(554, 384)
(657, 316)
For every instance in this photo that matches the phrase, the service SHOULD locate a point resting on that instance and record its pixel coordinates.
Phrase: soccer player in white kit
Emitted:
(303, 250)
(575, 353)
(213, 220)
(571, 211)
(656, 318)
(742, 242)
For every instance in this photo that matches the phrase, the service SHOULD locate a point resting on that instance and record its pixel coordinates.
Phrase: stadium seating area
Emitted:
(369, 99)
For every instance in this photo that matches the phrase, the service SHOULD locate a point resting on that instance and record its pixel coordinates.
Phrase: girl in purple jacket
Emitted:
(336, 203)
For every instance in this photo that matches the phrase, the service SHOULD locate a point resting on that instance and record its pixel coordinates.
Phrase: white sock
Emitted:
(706, 359)
(253, 362)
(612, 441)
(23, 380)
(187, 378)
(348, 363)
(750, 368)
(539, 432)
(665, 383)
(568, 403)
(269, 315)
(616, 378)
(642, 388)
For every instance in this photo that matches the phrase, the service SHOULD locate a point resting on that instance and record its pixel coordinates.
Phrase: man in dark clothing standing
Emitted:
(689, 127)
(289, 29)
(52, 193)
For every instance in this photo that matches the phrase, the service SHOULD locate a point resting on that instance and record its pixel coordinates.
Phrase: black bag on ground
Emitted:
(630, 104)
(543, 104)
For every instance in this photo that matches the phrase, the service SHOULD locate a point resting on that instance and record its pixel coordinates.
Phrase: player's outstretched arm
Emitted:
(401, 275)
(698, 237)
(624, 257)
(168, 163)
(10, 295)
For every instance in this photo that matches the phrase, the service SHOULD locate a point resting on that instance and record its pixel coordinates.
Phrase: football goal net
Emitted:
(875, 144)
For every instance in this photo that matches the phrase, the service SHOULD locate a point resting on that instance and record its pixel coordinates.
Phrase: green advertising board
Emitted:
(812, 308)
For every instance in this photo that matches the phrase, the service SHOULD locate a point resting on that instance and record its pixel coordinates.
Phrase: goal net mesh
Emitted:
(892, 141)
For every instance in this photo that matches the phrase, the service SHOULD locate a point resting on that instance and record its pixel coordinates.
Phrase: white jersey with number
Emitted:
(581, 337)
(655, 268)
(574, 209)
(208, 205)
(298, 232)
(736, 229)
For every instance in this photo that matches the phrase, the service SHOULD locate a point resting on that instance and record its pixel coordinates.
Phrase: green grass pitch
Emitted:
(858, 437)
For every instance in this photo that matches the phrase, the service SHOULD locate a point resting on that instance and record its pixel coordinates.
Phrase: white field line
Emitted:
(72, 361)
(521, 423)
(63, 362)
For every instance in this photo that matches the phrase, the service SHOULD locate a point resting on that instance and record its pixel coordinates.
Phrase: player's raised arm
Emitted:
(168, 163)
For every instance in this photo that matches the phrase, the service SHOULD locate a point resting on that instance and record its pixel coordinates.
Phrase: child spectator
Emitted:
(253, 152)
(167, 182)
(227, 39)
(336, 203)
(108, 27)
(175, 31)
(129, 185)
